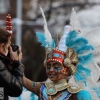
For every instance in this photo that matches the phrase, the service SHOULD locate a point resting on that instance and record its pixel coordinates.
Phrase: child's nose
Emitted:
(51, 69)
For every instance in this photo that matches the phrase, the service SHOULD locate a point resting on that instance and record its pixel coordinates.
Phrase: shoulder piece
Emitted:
(73, 89)
(53, 89)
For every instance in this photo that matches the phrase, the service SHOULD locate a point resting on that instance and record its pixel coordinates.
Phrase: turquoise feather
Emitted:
(86, 59)
(81, 46)
(78, 42)
(70, 38)
(33, 96)
(82, 73)
(84, 48)
(84, 95)
(41, 38)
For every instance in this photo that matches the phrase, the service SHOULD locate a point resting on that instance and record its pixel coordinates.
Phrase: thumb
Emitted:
(10, 48)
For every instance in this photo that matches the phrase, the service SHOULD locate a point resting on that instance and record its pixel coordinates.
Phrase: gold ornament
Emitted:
(61, 85)
(52, 88)
(72, 69)
(71, 60)
(73, 89)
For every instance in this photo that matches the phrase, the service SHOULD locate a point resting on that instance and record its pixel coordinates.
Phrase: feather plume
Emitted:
(74, 23)
(95, 71)
(70, 38)
(85, 95)
(93, 36)
(62, 41)
(96, 50)
(97, 58)
(79, 42)
(41, 38)
(46, 31)
(86, 59)
(82, 73)
(84, 49)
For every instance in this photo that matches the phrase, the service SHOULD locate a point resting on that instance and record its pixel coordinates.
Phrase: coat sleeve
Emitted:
(11, 81)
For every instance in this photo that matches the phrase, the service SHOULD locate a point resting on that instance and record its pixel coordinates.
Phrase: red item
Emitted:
(56, 55)
(9, 24)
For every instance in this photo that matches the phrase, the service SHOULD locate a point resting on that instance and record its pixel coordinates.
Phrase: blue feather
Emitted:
(41, 39)
(82, 73)
(86, 59)
(33, 96)
(70, 38)
(78, 42)
(84, 95)
(84, 48)
(53, 44)
(19, 98)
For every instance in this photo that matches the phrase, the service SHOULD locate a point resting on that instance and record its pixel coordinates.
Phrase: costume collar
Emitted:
(53, 88)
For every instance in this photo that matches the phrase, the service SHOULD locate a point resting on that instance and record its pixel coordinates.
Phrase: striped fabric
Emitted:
(43, 95)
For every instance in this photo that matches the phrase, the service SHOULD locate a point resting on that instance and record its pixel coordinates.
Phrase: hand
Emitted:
(13, 55)
(19, 54)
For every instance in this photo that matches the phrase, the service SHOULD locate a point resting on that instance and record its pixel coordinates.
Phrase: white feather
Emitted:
(97, 58)
(46, 31)
(93, 36)
(96, 50)
(74, 23)
(95, 71)
(94, 39)
(62, 45)
(94, 76)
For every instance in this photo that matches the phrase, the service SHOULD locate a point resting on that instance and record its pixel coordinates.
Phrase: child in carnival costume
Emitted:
(70, 66)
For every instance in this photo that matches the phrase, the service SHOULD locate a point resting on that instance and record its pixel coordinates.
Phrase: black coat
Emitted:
(11, 80)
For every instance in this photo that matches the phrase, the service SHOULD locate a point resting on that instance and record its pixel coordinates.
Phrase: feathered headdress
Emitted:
(80, 56)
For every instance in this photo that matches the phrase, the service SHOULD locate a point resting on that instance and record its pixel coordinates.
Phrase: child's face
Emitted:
(54, 71)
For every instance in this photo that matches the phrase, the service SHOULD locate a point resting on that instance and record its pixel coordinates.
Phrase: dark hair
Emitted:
(4, 35)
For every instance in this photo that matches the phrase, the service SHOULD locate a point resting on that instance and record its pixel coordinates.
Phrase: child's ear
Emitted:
(64, 70)
(1, 47)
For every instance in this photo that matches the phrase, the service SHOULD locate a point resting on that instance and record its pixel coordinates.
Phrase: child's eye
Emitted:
(57, 68)
(48, 68)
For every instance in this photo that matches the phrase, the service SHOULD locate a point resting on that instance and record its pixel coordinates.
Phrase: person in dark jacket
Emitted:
(11, 70)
